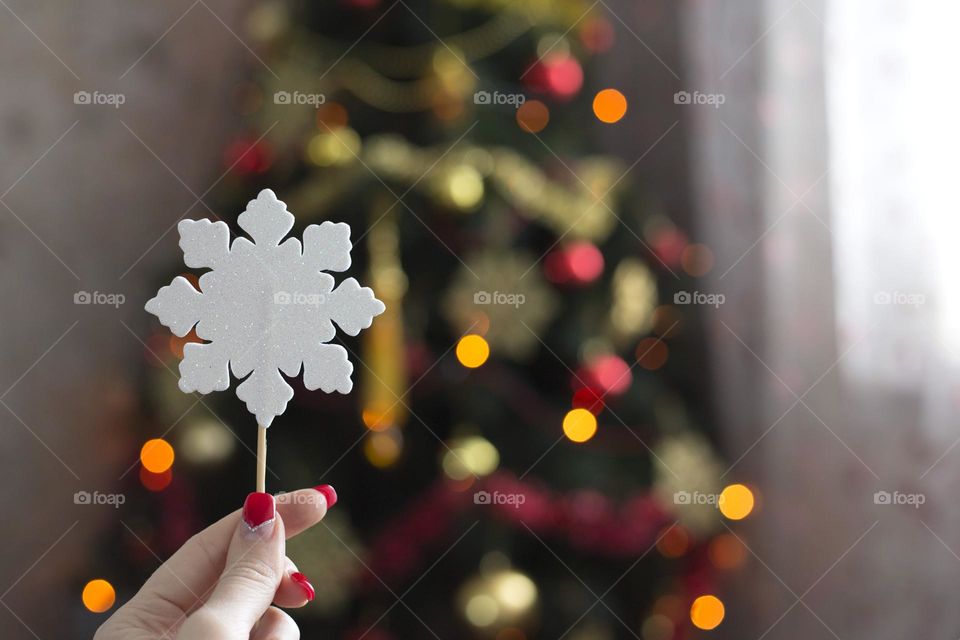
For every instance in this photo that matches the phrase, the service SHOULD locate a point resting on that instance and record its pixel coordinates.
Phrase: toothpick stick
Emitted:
(261, 458)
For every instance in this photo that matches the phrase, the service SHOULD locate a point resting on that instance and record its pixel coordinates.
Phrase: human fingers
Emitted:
(254, 566)
(295, 589)
(275, 625)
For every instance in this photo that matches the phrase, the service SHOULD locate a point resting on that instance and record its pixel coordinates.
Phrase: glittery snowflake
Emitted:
(265, 306)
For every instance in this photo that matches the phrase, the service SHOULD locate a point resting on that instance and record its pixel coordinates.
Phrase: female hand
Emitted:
(222, 582)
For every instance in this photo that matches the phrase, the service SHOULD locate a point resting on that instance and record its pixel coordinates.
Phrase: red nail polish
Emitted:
(304, 584)
(258, 509)
(329, 493)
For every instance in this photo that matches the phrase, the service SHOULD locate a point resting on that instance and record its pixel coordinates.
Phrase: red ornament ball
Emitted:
(246, 156)
(588, 398)
(578, 263)
(609, 374)
(558, 75)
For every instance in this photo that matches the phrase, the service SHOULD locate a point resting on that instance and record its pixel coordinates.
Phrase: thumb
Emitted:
(254, 566)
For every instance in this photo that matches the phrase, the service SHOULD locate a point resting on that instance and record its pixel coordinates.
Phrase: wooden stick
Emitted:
(261, 459)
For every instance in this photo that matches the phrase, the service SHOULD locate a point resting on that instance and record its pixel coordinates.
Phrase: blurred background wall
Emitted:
(72, 173)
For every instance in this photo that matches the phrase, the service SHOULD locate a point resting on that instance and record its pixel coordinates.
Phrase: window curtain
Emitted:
(824, 184)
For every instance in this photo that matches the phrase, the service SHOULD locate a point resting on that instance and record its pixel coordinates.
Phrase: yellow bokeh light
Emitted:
(472, 351)
(609, 106)
(98, 595)
(579, 425)
(464, 187)
(657, 627)
(334, 147)
(482, 610)
(736, 502)
(706, 612)
(472, 456)
(382, 448)
(157, 455)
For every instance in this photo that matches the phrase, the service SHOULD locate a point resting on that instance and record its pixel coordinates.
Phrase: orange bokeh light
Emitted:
(533, 116)
(652, 353)
(674, 542)
(610, 106)
(98, 595)
(697, 259)
(707, 612)
(156, 455)
(727, 552)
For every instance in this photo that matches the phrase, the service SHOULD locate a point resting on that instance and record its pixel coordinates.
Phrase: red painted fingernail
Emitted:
(258, 510)
(301, 580)
(329, 493)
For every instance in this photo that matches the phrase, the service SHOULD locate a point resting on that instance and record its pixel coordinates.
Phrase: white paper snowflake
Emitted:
(265, 307)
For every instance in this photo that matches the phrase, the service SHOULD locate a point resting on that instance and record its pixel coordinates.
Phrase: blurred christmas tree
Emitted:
(522, 419)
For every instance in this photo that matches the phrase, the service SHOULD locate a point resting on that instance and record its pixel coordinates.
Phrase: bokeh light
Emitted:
(155, 481)
(657, 627)
(597, 34)
(609, 106)
(727, 552)
(157, 455)
(332, 115)
(667, 321)
(482, 610)
(206, 441)
(472, 351)
(533, 116)
(463, 187)
(564, 76)
(577, 263)
(470, 456)
(609, 374)
(98, 595)
(652, 353)
(706, 612)
(382, 449)
(378, 419)
(673, 542)
(589, 399)
(334, 147)
(736, 502)
(697, 259)
(579, 425)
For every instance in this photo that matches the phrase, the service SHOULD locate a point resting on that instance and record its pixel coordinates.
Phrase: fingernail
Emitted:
(329, 493)
(258, 510)
(304, 584)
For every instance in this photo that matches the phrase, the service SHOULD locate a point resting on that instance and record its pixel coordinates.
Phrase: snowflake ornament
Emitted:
(264, 307)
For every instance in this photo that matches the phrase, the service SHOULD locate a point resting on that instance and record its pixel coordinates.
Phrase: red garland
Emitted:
(585, 520)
